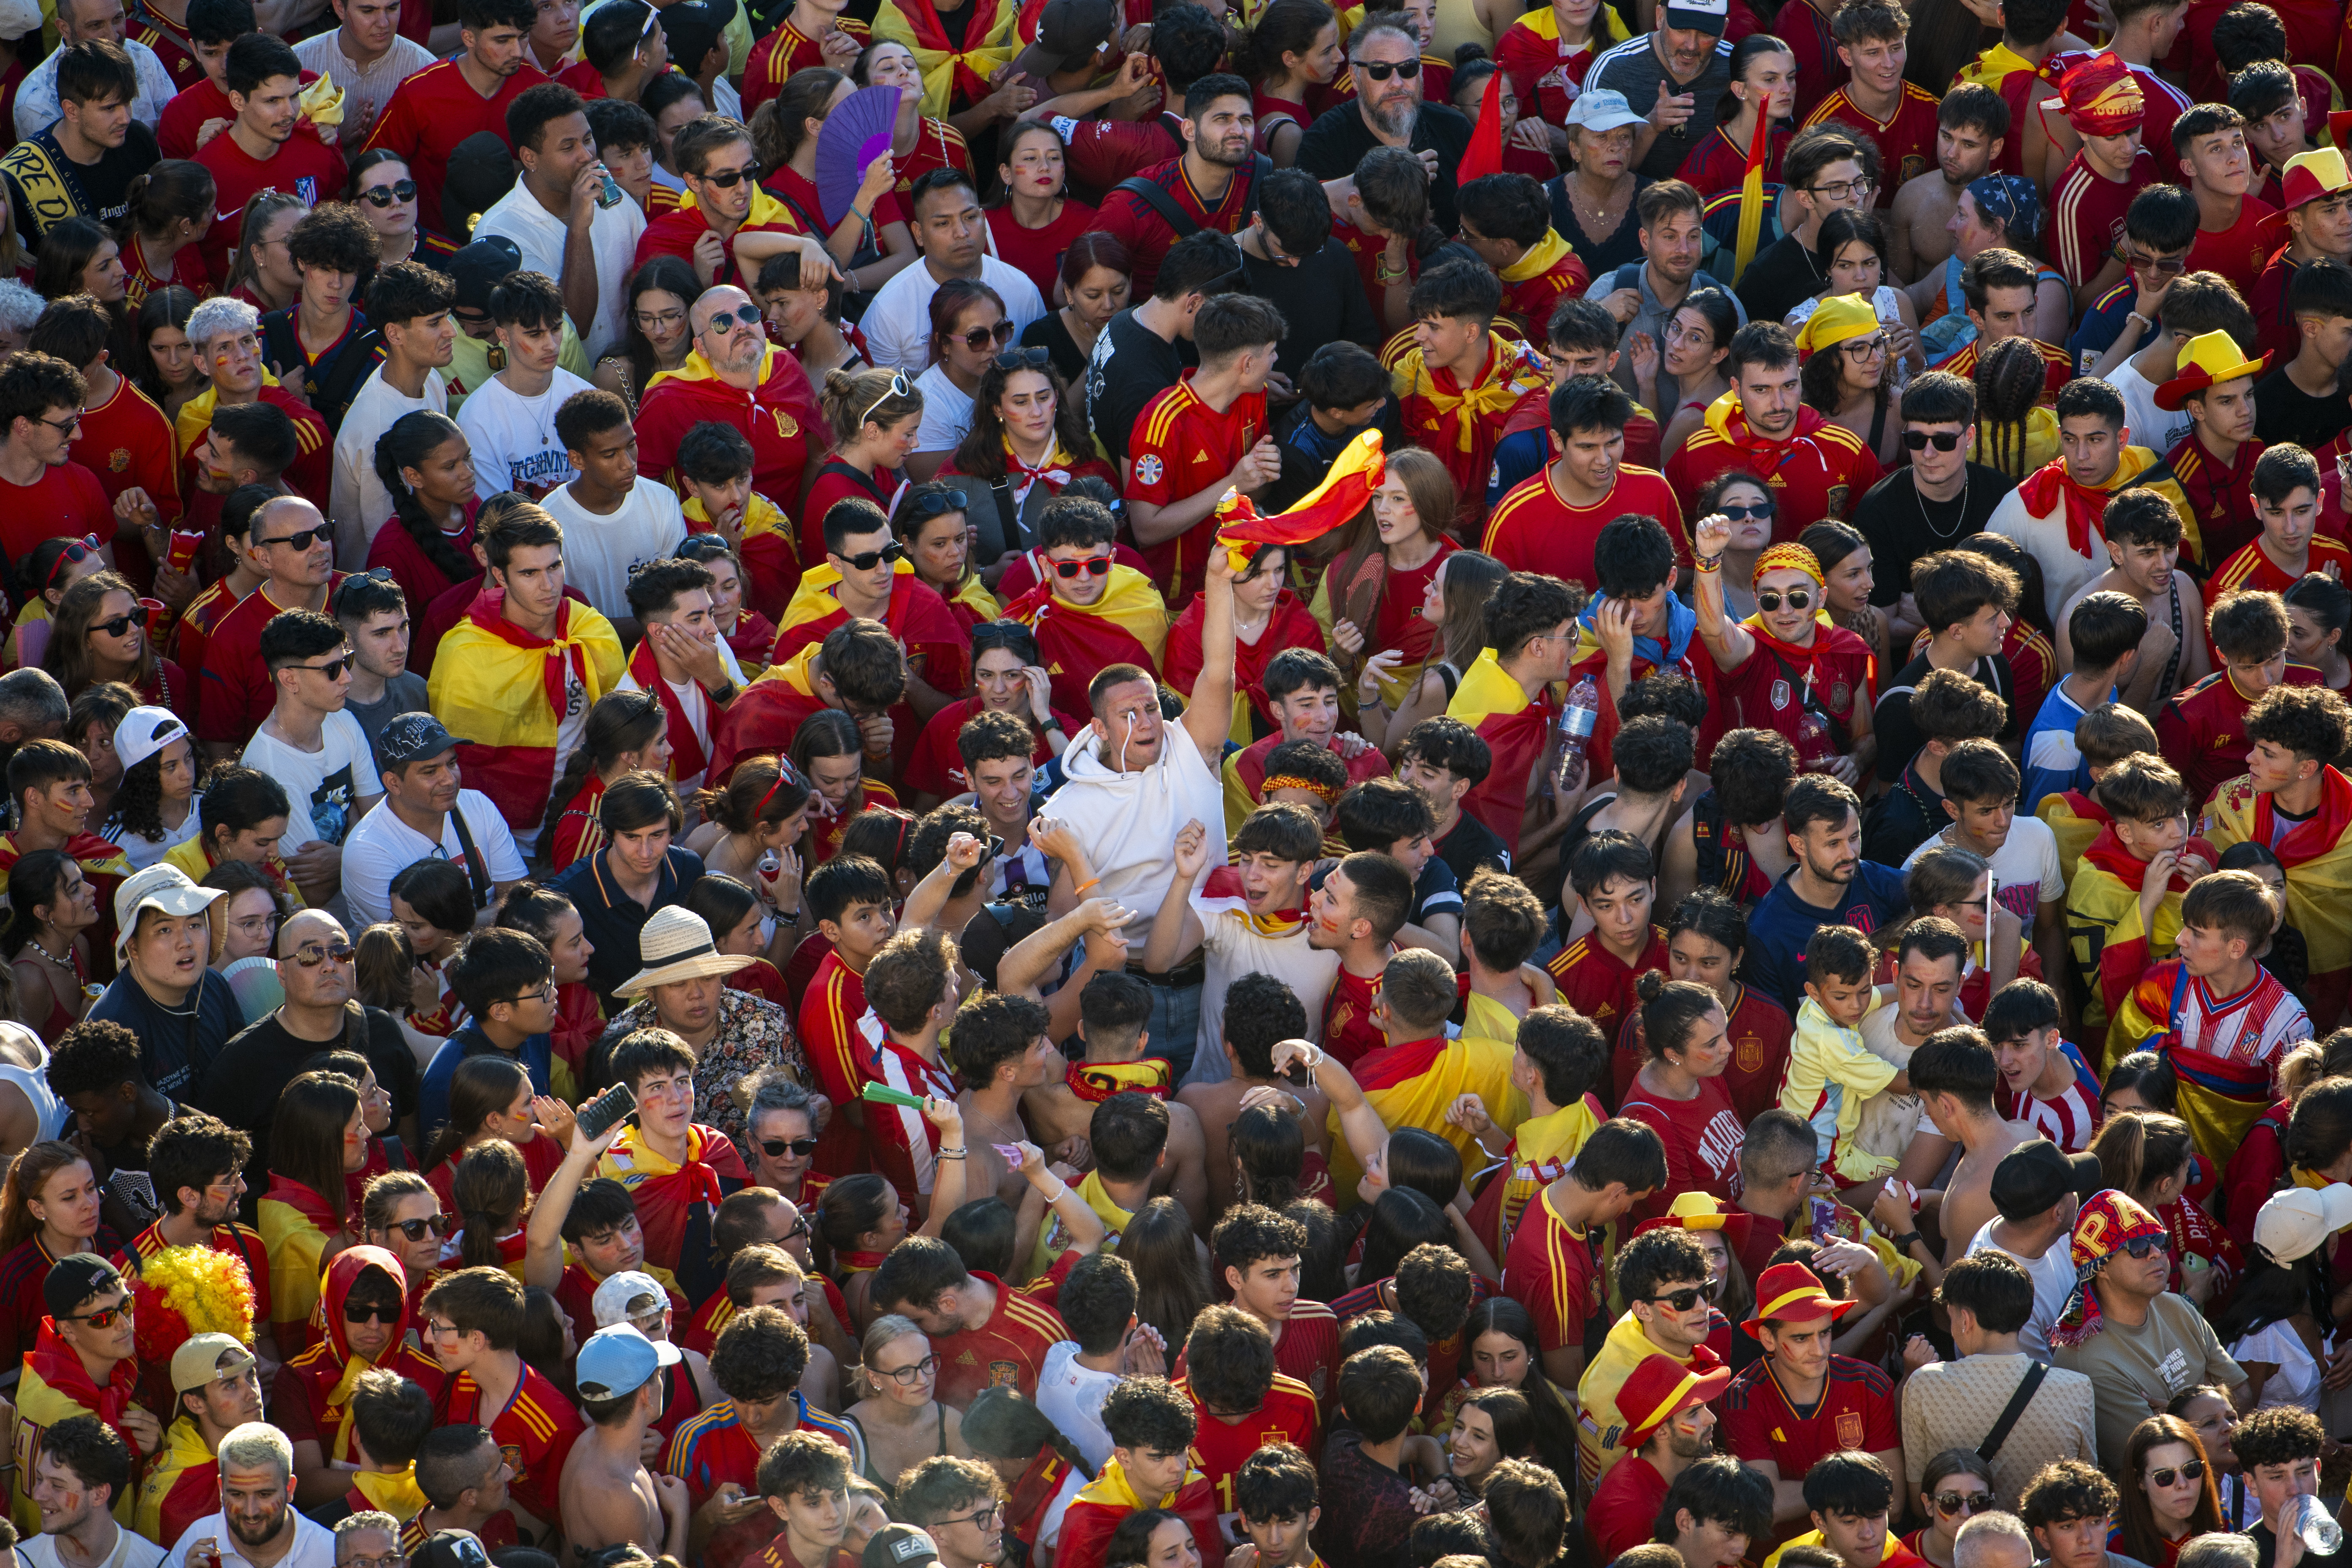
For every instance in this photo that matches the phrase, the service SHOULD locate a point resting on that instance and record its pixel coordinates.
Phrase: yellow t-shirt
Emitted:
(1831, 1073)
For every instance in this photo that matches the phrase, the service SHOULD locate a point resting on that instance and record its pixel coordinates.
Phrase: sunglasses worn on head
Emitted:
(2194, 1471)
(79, 551)
(1684, 1299)
(1799, 599)
(866, 561)
(777, 1148)
(1949, 1503)
(1380, 70)
(1917, 440)
(1092, 566)
(899, 387)
(391, 195)
(1023, 359)
(981, 337)
(936, 503)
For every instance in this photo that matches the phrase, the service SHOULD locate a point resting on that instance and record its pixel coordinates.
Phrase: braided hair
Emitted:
(2010, 378)
(415, 437)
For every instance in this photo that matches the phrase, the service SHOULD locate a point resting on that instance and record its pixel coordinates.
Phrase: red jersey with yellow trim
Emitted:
(2087, 211)
(2058, 367)
(830, 1008)
(2223, 495)
(1550, 1271)
(535, 1431)
(2239, 252)
(1289, 1415)
(1538, 529)
(938, 145)
(1820, 471)
(1856, 1410)
(1759, 1029)
(1308, 1348)
(1009, 1350)
(1599, 985)
(2251, 568)
(169, 40)
(496, 1533)
(128, 443)
(1179, 447)
(1349, 1032)
(1460, 423)
(2203, 731)
(1715, 166)
(712, 1448)
(1146, 234)
(776, 57)
(238, 1241)
(1905, 142)
(434, 111)
(1551, 274)
(1773, 691)
(205, 611)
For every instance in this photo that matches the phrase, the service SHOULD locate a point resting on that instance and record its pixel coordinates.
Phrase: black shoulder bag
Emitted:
(478, 869)
(1155, 196)
(2035, 1372)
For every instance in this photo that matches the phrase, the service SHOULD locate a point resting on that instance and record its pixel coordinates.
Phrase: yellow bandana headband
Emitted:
(1321, 791)
(1788, 558)
(1835, 321)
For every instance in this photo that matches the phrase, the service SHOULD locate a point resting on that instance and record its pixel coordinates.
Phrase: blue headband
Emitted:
(2006, 197)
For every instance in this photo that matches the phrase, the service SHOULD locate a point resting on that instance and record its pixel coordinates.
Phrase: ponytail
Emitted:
(415, 437)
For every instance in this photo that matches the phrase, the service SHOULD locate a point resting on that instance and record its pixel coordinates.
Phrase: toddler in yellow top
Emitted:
(1831, 1071)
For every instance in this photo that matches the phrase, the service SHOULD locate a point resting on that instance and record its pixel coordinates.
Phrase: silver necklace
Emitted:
(1943, 534)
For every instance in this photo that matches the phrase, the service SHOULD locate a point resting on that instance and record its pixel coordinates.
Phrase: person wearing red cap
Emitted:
(1552, 1269)
(2233, 236)
(1670, 1311)
(1664, 1407)
(2315, 216)
(1803, 1401)
(2103, 102)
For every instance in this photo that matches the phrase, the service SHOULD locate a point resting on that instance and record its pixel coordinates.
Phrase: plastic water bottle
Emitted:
(2322, 1536)
(1578, 716)
(1815, 745)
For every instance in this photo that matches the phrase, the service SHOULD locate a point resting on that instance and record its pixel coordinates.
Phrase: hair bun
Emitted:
(1648, 986)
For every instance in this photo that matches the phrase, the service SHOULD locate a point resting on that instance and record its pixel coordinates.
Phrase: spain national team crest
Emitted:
(1837, 501)
(1149, 468)
(1748, 1052)
(1841, 697)
(119, 460)
(786, 426)
(1780, 694)
(1004, 1374)
(512, 1454)
(1849, 1428)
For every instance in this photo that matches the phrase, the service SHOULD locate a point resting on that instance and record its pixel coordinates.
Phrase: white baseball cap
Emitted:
(145, 732)
(621, 1291)
(2300, 1220)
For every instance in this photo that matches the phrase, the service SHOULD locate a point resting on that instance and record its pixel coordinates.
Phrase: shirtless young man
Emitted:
(1971, 129)
(2143, 545)
(607, 1496)
(1259, 1011)
(1960, 1077)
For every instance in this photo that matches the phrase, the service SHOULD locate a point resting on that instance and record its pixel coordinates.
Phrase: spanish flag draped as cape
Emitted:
(501, 690)
(676, 1200)
(2109, 945)
(1410, 1085)
(771, 568)
(1095, 1512)
(53, 1387)
(953, 79)
(294, 1225)
(2318, 855)
(1129, 625)
(1538, 1155)
(1516, 727)
(182, 1487)
(938, 647)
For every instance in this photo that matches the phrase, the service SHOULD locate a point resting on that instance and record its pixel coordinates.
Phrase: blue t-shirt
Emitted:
(2053, 763)
(1781, 923)
(1517, 456)
(177, 1046)
(2102, 323)
(433, 1093)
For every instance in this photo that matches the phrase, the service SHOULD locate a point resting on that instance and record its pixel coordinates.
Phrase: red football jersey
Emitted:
(302, 164)
(1856, 1410)
(1009, 1350)
(2087, 214)
(1179, 447)
(436, 109)
(2239, 252)
(1549, 1271)
(2203, 731)
(126, 444)
(1308, 1348)
(1772, 693)
(1535, 529)
(1599, 985)
(1349, 1032)
(66, 502)
(776, 57)
(535, 1431)
(1701, 1135)
(1820, 471)
(1219, 1446)
(1906, 142)
(2252, 567)
(237, 693)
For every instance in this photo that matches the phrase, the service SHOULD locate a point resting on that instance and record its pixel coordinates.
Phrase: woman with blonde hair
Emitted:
(1371, 596)
(2170, 1493)
(901, 1420)
(873, 415)
(1454, 602)
(100, 632)
(48, 1209)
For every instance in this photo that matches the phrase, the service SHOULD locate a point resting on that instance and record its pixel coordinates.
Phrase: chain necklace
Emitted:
(1943, 535)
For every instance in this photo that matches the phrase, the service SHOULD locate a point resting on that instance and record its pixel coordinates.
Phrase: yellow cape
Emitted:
(994, 47)
(491, 692)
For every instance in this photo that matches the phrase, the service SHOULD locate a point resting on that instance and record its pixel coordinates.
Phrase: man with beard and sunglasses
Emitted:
(1668, 1428)
(735, 377)
(257, 1525)
(1662, 1275)
(1390, 110)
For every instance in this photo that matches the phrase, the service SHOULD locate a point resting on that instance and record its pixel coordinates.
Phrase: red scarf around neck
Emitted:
(2050, 485)
(2108, 854)
(686, 757)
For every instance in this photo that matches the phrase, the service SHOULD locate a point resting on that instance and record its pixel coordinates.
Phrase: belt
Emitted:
(1182, 977)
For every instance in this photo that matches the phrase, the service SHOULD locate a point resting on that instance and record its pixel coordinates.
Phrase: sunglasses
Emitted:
(981, 337)
(866, 561)
(899, 387)
(390, 195)
(1799, 599)
(728, 179)
(1917, 440)
(2194, 1471)
(104, 1316)
(1092, 566)
(2147, 1245)
(1023, 359)
(936, 503)
(1761, 511)
(777, 1148)
(370, 1312)
(1683, 1301)
(79, 551)
(332, 670)
(2166, 265)
(135, 616)
(316, 953)
(725, 321)
(440, 1225)
(299, 541)
(1949, 1503)
(1380, 70)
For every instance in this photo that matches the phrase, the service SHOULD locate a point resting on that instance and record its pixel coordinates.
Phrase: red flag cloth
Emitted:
(1347, 488)
(1486, 153)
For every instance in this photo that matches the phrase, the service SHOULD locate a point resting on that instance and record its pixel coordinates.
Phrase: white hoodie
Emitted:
(1128, 821)
(1072, 1397)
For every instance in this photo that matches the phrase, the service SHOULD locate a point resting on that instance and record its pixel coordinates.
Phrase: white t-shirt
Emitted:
(599, 551)
(898, 323)
(695, 705)
(314, 1543)
(382, 845)
(2026, 871)
(1072, 1396)
(2053, 1281)
(358, 502)
(540, 235)
(1233, 949)
(144, 852)
(324, 787)
(2152, 427)
(947, 413)
(513, 436)
(129, 1550)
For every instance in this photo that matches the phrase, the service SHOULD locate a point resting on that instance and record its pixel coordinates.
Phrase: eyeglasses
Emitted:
(390, 195)
(332, 670)
(136, 616)
(389, 1560)
(1092, 566)
(799, 1228)
(659, 321)
(2147, 1245)
(981, 337)
(440, 1225)
(1380, 70)
(312, 954)
(1917, 440)
(1023, 359)
(1866, 348)
(79, 551)
(985, 1519)
(104, 1316)
(777, 1148)
(1949, 1503)
(544, 994)
(65, 427)
(1798, 598)
(899, 387)
(2194, 1471)
(1844, 190)
(1761, 511)
(301, 540)
(907, 1376)
(726, 321)
(1690, 1296)
(370, 1312)
(867, 559)
(728, 179)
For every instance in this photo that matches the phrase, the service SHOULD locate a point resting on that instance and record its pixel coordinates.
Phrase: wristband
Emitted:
(2143, 321)
(1907, 1240)
(1054, 1197)
(1090, 882)
(1708, 562)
